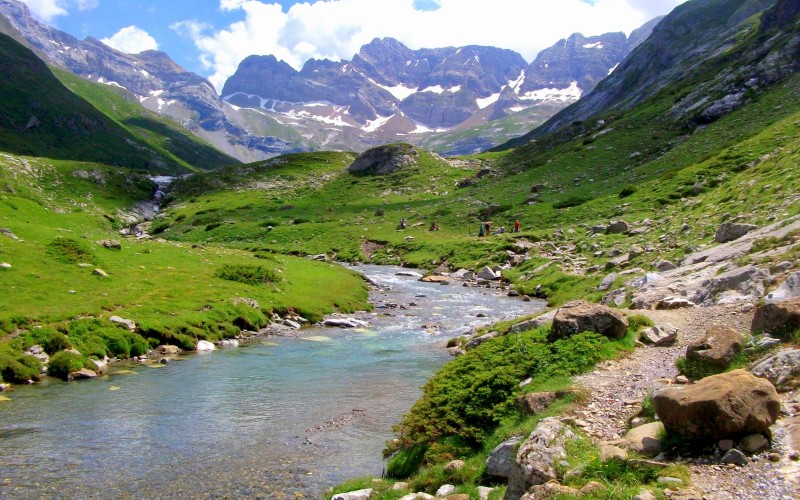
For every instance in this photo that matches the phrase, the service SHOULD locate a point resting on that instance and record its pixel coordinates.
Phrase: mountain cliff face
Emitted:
(389, 92)
(748, 56)
(152, 77)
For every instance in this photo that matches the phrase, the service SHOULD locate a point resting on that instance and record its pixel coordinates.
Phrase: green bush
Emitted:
(405, 462)
(118, 344)
(18, 368)
(248, 274)
(70, 251)
(64, 362)
(51, 340)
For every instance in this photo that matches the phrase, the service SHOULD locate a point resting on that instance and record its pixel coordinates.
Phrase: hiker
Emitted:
(482, 229)
(500, 230)
(488, 225)
(516, 226)
(403, 224)
(434, 226)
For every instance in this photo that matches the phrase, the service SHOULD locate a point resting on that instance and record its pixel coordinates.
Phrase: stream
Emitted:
(273, 418)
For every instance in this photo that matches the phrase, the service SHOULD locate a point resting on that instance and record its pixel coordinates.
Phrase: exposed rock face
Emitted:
(718, 407)
(538, 456)
(578, 316)
(730, 231)
(501, 461)
(718, 346)
(534, 402)
(383, 160)
(781, 318)
(781, 368)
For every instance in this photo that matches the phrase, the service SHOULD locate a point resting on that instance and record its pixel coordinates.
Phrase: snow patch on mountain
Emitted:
(573, 92)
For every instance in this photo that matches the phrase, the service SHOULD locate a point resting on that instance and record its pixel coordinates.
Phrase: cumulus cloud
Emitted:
(48, 10)
(131, 40)
(336, 29)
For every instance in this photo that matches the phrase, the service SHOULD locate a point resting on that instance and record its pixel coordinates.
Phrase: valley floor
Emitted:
(617, 388)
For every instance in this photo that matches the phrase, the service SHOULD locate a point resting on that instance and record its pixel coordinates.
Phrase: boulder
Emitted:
(718, 407)
(610, 452)
(384, 159)
(7, 232)
(110, 244)
(664, 265)
(229, 343)
(454, 465)
(538, 455)
(730, 231)
(501, 460)
(660, 335)
(169, 350)
(781, 318)
(5, 265)
(734, 457)
(578, 316)
(718, 346)
(487, 273)
(436, 278)
(125, 323)
(472, 344)
(534, 402)
(618, 227)
(618, 261)
(645, 439)
(781, 368)
(354, 495)
(531, 324)
(549, 490)
(788, 289)
(83, 373)
(100, 272)
(607, 282)
(446, 490)
(673, 303)
(204, 345)
(753, 443)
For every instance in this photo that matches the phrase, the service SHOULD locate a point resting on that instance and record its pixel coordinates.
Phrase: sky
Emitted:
(211, 37)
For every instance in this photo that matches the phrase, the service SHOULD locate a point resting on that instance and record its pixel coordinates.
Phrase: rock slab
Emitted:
(579, 316)
(782, 318)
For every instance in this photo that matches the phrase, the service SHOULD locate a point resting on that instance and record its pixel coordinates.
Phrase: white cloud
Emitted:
(48, 10)
(336, 29)
(131, 40)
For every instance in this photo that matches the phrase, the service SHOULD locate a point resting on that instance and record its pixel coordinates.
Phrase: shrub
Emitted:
(572, 201)
(405, 462)
(118, 344)
(64, 362)
(70, 251)
(18, 368)
(639, 321)
(627, 191)
(250, 275)
(50, 340)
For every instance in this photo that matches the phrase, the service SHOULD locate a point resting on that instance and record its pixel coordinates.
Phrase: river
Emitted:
(270, 419)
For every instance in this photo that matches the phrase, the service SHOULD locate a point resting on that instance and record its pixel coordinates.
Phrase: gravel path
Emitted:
(618, 387)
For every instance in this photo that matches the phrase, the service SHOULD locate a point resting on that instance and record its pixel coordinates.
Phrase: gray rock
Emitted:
(100, 272)
(618, 227)
(664, 266)
(735, 457)
(345, 323)
(730, 231)
(83, 373)
(502, 459)
(484, 492)
(169, 350)
(7, 232)
(725, 444)
(125, 323)
(618, 261)
(292, 324)
(788, 289)
(472, 344)
(607, 281)
(445, 490)
(781, 368)
(5, 265)
(718, 346)
(487, 274)
(645, 495)
(354, 495)
(110, 244)
(674, 303)
(578, 316)
(660, 335)
(753, 443)
(384, 159)
(645, 439)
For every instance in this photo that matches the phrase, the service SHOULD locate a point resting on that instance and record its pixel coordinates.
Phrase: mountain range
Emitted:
(453, 100)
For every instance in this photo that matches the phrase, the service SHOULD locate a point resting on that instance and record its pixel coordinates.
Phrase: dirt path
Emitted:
(618, 387)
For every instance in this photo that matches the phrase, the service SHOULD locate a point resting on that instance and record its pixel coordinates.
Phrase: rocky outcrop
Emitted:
(578, 316)
(718, 346)
(123, 322)
(730, 231)
(538, 455)
(781, 318)
(781, 368)
(383, 160)
(718, 407)
(502, 459)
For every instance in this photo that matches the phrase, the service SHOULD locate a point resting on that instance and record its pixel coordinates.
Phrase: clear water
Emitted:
(269, 419)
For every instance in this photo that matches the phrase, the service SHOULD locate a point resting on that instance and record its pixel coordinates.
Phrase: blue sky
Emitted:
(211, 37)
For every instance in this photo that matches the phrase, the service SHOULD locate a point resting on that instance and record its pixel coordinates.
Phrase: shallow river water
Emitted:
(269, 419)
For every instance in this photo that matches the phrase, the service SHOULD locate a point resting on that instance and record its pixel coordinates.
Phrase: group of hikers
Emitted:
(485, 228)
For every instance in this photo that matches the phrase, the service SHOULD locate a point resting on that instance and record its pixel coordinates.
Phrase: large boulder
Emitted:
(730, 231)
(787, 290)
(660, 335)
(718, 407)
(782, 318)
(718, 346)
(384, 159)
(781, 368)
(538, 456)
(579, 316)
(501, 460)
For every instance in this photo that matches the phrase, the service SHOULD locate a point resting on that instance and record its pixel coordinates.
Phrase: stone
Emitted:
(398, 486)
(454, 465)
(788, 289)
(607, 281)
(292, 324)
(345, 323)
(591, 488)
(664, 265)
(83, 373)
(445, 490)
(673, 302)
(618, 227)
(618, 261)
(436, 278)
(125, 323)
(671, 481)
(501, 460)
(487, 273)
(484, 492)
(354, 495)
(730, 231)
(417, 496)
(534, 402)
(5, 265)
(781, 319)
(610, 452)
(101, 365)
(204, 345)
(734, 457)
(578, 316)
(645, 439)
(548, 490)
(718, 346)
(459, 496)
(110, 244)
(718, 407)
(725, 444)
(660, 335)
(384, 159)
(169, 350)
(100, 272)
(781, 368)
(7, 232)
(538, 456)
(532, 324)
(753, 443)
(682, 379)
(472, 344)
(645, 495)
(252, 303)
(229, 343)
